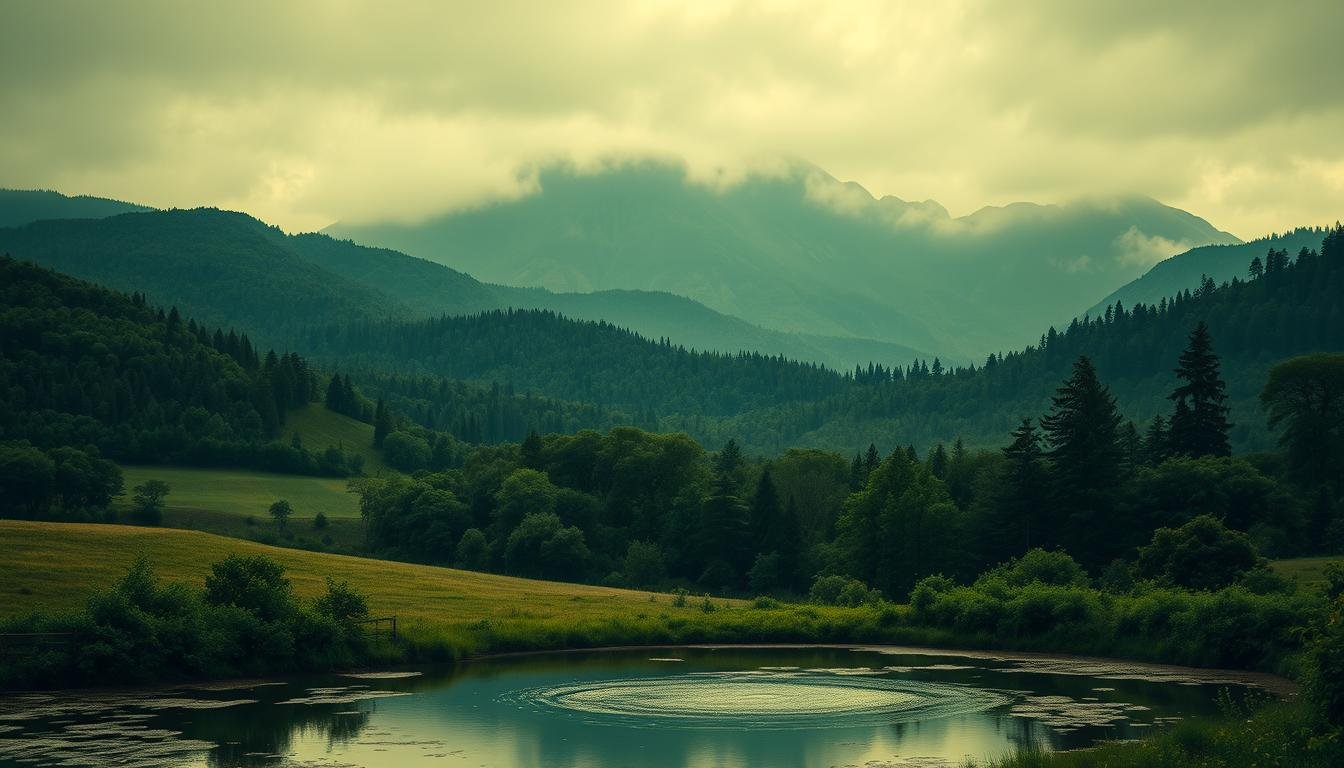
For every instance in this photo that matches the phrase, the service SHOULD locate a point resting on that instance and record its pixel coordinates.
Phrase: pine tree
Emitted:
(1199, 423)
(382, 423)
(1082, 431)
(938, 462)
(1156, 442)
(764, 513)
(1019, 514)
(871, 459)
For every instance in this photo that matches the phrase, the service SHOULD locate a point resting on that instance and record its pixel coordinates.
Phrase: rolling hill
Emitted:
(804, 253)
(1221, 262)
(231, 270)
(24, 206)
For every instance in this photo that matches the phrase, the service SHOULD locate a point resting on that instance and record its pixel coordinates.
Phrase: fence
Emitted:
(380, 625)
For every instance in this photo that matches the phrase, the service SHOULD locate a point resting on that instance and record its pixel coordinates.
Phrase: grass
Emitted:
(319, 428)
(1277, 735)
(246, 492)
(1308, 571)
(432, 604)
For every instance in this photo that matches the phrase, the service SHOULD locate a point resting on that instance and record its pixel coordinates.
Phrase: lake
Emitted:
(664, 708)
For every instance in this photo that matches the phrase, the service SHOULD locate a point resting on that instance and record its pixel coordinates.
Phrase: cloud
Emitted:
(1136, 248)
(306, 112)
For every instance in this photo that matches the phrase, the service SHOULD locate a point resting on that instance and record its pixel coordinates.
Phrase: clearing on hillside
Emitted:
(246, 492)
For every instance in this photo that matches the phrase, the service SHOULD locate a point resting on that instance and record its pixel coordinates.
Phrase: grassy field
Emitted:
(319, 428)
(1307, 570)
(246, 492)
(430, 602)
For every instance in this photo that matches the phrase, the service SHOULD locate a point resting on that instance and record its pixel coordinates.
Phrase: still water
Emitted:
(664, 708)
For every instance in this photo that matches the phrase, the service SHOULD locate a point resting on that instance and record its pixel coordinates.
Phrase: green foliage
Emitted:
(280, 512)
(82, 366)
(342, 602)
(842, 591)
(1202, 554)
(147, 503)
(1305, 396)
(62, 483)
(246, 622)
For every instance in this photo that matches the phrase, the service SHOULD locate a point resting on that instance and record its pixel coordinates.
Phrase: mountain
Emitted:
(228, 268)
(805, 253)
(23, 206)
(1185, 271)
(770, 405)
(224, 269)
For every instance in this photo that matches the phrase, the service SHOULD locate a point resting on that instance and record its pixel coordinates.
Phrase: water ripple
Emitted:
(756, 700)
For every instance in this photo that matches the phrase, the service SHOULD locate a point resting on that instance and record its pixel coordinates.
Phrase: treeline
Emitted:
(1289, 309)
(1286, 306)
(640, 509)
(84, 367)
(593, 362)
(470, 412)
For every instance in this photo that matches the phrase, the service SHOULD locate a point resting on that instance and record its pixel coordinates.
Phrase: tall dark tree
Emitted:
(938, 462)
(1082, 430)
(1020, 517)
(1305, 396)
(382, 423)
(764, 512)
(1200, 427)
(1156, 443)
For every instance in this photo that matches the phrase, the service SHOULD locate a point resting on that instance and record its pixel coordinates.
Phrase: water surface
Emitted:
(681, 708)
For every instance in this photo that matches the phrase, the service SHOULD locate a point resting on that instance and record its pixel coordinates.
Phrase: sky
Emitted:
(307, 113)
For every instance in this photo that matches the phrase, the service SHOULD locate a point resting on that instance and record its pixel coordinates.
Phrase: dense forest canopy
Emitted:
(84, 366)
(770, 404)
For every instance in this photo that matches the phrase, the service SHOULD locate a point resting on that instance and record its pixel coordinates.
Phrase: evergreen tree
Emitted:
(1155, 442)
(382, 423)
(1082, 431)
(1019, 520)
(1200, 428)
(764, 513)
(787, 540)
(871, 459)
(938, 462)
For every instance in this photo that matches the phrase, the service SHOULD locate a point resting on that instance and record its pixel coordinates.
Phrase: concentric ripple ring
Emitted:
(731, 700)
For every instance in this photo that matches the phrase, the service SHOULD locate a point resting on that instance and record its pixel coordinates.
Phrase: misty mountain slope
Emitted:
(1220, 262)
(224, 269)
(24, 206)
(805, 253)
(230, 269)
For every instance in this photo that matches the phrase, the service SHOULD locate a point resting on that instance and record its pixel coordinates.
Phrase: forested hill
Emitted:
(82, 366)
(24, 206)
(1292, 308)
(801, 251)
(229, 268)
(1220, 262)
(770, 404)
(224, 269)
(592, 362)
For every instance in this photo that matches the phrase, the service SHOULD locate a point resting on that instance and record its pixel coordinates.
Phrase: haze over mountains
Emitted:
(803, 252)
(230, 269)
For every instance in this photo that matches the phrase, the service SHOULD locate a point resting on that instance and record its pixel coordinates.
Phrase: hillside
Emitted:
(802, 252)
(426, 599)
(1221, 262)
(24, 206)
(771, 404)
(229, 269)
(224, 269)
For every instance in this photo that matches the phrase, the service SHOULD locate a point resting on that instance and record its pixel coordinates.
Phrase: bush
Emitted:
(842, 591)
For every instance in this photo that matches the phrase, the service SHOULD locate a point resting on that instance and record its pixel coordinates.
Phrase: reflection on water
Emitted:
(724, 707)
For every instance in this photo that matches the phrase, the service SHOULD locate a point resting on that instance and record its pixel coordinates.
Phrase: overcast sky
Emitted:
(309, 113)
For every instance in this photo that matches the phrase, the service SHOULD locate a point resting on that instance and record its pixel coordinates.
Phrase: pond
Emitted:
(683, 707)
